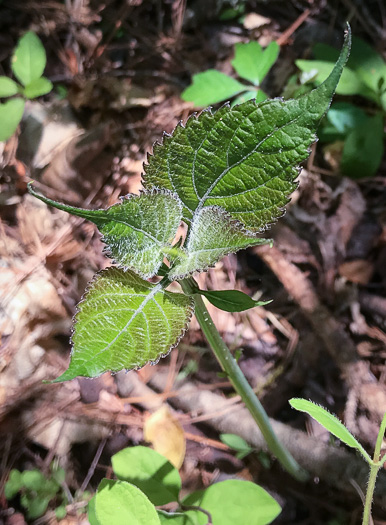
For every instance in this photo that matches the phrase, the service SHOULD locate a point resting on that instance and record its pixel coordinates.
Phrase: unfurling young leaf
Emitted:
(136, 230)
(124, 322)
(329, 422)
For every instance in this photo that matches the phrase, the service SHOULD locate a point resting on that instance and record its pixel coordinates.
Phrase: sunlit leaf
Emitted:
(119, 503)
(8, 87)
(244, 159)
(37, 88)
(149, 471)
(11, 113)
(136, 230)
(211, 87)
(252, 62)
(329, 422)
(123, 322)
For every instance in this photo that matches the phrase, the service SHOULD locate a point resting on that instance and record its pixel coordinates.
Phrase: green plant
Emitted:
(27, 63)
(146, 479)
(37, 490)
(336, 428)
(226, 175)
(360, 131)
(251, 63)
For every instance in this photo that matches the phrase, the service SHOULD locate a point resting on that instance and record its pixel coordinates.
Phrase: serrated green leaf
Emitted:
(37, 88)
(235, 501)
(211, 87)
(213, 235)
(252, 62)
(150, 472)
(329, 422)
(363, 148)
(29, 59)
(123, 322)
(136, 230)
(243, 159)
(175, 518)
(231, 300)
(11, 113)
(258, 96)
(8, 87)
(119, 503)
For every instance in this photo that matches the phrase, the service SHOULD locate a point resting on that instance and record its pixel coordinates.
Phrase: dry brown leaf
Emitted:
(358, 271)
(166, 434)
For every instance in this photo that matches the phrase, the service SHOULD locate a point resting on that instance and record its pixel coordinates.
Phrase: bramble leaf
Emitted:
(29, 59)
(8, 87)
(11, 113)
(119, 503)
(244, 159)
(252, 62)
(329, 422)
(124, 322)
(136, 230)
(213, 235)
(150, 472)
(211, 87)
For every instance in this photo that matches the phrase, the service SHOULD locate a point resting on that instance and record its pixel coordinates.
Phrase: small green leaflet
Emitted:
(136, 230)
(119, 503)
(258, 95)
(29, 59)
(231, 300)
(234, 501)
(211, 87)
(213, 235)
(150, 472)
(124, 322)
(252, 62)
(244, 159)
(8, 87)
(37, 88)
(11, 113)
(329, 422)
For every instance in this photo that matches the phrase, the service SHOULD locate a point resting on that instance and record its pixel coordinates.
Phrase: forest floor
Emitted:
(119, 68)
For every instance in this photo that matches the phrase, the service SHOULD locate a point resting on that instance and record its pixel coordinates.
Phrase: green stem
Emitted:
(369, 494)
(241, 385)
(379, 442)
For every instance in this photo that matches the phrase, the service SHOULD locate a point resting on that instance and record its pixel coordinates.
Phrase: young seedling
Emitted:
(146, 479)
(337, 429)
(251, 63)
(226, 175)
(27, 63)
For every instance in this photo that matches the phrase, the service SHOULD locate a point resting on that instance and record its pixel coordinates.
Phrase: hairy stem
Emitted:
(374, 469)
(241, 385)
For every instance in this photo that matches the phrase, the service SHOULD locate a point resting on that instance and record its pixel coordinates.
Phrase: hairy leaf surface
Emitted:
(124, 322)
(136, 230)
(213, 235)
(243, 159)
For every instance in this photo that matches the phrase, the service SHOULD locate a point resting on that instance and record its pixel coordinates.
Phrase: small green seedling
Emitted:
(337, 429)
(37, 491)
(27, 63)
(361, 132)
(238, 444)
(226, 175)
(251, 63)
(147, 480)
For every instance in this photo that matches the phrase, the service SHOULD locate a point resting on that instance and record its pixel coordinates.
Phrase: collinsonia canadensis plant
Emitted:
(251, 63)
(27, 63)
(337, 429)
(146, 479)
(226, 175)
